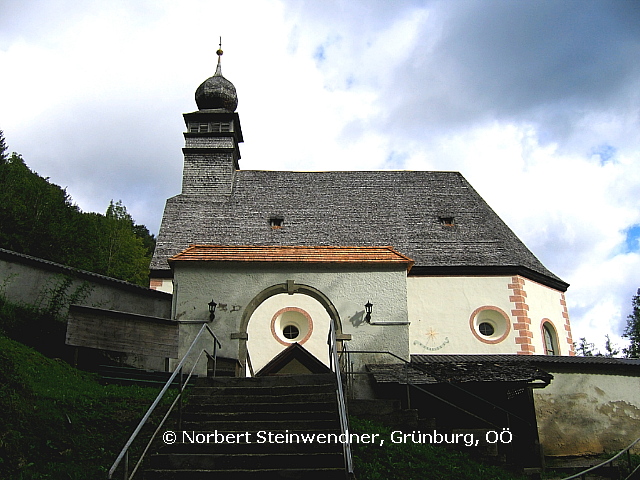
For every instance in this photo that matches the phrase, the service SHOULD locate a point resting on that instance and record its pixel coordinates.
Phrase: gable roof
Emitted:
(252, 253)
(293, 353)
(406, 209)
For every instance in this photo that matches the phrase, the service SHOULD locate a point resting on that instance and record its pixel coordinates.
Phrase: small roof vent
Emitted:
(276, 222)
(447, 221)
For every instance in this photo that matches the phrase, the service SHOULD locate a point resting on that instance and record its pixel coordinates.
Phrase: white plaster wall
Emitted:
(263, 346)
(584, 414)
(234, 285)
(544, 303)
(440, 309)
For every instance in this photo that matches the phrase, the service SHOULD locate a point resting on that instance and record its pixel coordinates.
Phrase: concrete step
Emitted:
(278, 381)
(119, 375)
(231, 445)
(248, 474)
(202, 398)
(280, 425)
(261, 407)
(259, 461)
(230, 390)
(189, 415)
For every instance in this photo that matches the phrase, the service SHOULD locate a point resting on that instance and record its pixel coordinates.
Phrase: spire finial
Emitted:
(219, 52)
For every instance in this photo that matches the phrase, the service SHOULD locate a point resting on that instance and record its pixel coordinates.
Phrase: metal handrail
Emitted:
(635, 470)
(342, 406)
(347, 367)
(124, 453)
(607, 462)
(249, 364)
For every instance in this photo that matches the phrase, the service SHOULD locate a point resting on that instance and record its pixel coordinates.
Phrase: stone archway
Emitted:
(290, 288)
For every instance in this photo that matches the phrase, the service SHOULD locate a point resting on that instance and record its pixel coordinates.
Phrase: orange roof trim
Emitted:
(250, 253)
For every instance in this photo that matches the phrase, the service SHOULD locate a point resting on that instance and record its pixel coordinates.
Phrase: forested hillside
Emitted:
(40, 219)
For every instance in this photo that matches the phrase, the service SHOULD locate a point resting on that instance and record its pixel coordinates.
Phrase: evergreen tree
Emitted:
(148, 239)
(3, 149)
(584, 348)
(632, 330)
(34, 214)
(610, 349)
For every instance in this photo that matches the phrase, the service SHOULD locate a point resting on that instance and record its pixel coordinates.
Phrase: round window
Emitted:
(291, 324)
(486, 329)
(489, 324)
(291, 332)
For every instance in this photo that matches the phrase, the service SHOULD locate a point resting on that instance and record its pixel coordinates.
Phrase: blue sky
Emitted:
(536, 103)
(632, 241)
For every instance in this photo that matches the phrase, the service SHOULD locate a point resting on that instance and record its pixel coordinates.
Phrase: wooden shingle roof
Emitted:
(460, 372)
(316, 254)
(435, 218)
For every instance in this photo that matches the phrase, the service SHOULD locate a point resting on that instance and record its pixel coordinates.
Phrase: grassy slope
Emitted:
(57, 422)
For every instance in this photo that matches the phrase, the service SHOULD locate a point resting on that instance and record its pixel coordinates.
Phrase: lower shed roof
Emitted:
(476, 371)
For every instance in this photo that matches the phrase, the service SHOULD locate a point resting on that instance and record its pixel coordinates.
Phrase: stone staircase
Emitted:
(120, 375)
(256, 420)
(123, 375)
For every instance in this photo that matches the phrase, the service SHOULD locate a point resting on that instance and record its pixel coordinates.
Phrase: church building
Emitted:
(406, 262)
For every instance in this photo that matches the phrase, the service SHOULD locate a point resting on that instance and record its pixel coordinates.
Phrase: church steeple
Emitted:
(211, 150)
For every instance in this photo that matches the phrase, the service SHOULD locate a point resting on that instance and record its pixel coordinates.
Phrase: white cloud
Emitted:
(537, 105)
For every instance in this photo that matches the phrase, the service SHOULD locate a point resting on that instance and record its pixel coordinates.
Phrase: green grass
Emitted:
(57, 422)
(415, 461)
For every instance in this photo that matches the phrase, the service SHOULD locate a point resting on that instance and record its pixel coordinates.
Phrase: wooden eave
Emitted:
(293, 254)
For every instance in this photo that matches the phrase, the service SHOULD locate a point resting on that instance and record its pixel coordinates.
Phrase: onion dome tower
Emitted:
(217, 92)
(213, 133)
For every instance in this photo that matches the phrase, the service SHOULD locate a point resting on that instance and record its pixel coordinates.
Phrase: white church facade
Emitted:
(409, 262)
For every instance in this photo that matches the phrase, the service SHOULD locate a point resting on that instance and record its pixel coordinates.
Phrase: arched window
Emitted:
(550, 339)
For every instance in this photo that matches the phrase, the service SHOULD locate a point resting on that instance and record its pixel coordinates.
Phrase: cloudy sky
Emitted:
(537, 103)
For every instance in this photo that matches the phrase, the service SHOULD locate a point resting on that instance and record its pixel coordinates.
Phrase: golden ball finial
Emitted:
(219, 52)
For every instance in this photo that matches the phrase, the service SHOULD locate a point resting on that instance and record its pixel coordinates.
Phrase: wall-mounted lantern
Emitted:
(368, 307)
(212, 310)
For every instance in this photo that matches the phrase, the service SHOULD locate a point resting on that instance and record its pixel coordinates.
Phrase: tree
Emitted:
(585, 349)
(126, 256)
(610, 349)
(148, 239)
(632, 330)
(3, 149)
(34, 213)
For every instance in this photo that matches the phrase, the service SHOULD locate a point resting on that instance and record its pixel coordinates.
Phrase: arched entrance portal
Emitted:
(282, 314)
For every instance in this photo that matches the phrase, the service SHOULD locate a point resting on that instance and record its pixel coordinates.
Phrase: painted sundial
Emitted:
(432, 340)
